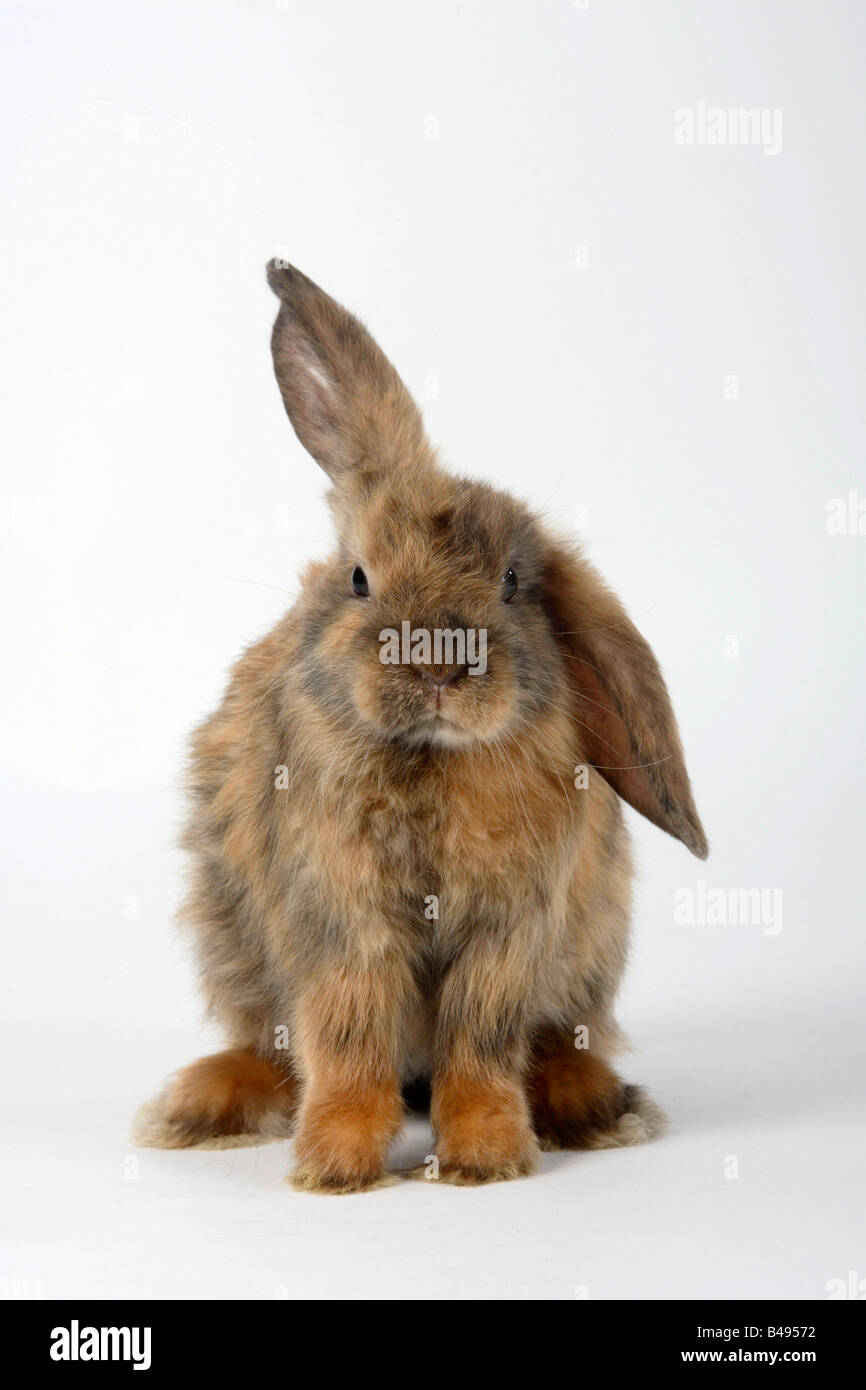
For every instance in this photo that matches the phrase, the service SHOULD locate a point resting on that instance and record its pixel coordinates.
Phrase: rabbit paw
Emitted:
(342, 1141)
(640, 1121)
(484, 1133)
(227, 1100)
(579, 1102)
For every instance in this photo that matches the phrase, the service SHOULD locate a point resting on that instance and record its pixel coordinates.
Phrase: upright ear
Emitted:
(621, 703)
(348, 406)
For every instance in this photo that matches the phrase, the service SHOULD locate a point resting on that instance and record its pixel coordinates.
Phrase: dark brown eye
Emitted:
(359, 583)
(509, 585)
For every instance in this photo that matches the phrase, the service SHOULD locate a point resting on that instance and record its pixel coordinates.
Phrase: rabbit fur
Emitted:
(408, 873)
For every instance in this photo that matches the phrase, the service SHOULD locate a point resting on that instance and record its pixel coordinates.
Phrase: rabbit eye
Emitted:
(509, 585)
(359, 583)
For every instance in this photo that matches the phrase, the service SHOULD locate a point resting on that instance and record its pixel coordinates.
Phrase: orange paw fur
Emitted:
(483, 1130)
(579, 1102)
(226, 1099)
(343, 1137)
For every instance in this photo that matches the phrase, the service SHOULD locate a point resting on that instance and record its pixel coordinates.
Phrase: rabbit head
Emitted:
(525, 624)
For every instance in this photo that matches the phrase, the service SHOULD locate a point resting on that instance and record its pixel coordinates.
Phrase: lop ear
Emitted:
(621, 704)
(347, 404)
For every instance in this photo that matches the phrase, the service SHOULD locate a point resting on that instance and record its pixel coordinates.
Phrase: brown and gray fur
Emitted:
(310, 904)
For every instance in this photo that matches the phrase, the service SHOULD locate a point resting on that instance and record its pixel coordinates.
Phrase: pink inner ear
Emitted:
(319, 383)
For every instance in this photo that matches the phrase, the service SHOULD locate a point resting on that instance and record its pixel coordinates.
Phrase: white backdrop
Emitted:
(661, 343)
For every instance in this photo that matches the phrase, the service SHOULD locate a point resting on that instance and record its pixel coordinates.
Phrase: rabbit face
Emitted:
(429, 624)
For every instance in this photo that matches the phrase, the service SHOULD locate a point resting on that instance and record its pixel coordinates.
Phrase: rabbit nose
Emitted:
(439, 676)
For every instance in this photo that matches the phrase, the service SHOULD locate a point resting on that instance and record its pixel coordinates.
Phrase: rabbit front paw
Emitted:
(484, 1133)
(343, 1138)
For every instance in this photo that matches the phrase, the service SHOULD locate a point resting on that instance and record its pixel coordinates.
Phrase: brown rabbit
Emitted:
(397, 875)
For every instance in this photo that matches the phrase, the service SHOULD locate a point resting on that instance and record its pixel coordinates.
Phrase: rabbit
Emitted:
(417, 873)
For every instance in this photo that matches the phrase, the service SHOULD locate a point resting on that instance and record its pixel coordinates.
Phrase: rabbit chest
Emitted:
(444, 847)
